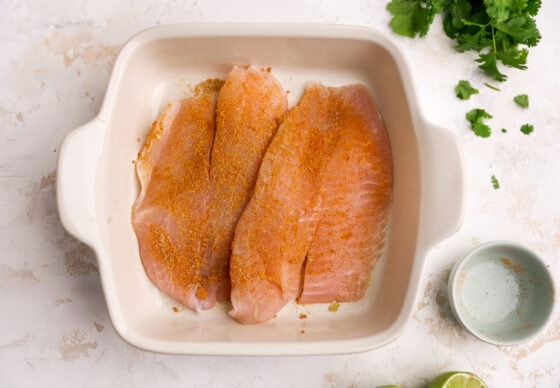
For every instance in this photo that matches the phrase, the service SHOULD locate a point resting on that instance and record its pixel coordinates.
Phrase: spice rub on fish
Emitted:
(170, 214)
(356, 194)
(251, 104)
(315, 224)
(197, 171)
(275, 231)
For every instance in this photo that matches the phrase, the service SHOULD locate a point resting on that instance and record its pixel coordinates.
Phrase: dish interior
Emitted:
(503, 294)
(153, 72)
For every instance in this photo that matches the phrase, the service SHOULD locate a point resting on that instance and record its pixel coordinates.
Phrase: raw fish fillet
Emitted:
(250, 107)
(355, 199)
(275, 231)
(316, 167)
(170, 215)
(197, 176)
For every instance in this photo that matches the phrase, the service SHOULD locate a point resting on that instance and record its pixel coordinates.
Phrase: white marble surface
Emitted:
(55, 63)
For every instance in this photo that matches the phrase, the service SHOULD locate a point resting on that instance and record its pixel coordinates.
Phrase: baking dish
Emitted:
(96, 184)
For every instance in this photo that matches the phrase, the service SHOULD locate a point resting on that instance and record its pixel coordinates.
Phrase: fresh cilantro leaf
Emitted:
(464, 90)
(533, 7)
(488, 64)
(514, 57)
(458, 11)
(522, 100)
(498, 10)
(504, 130)
(412, 17)
(476, 118)
(517, 6)
(495, 183)
(521, 29)
(477, 114)
(482, 130)
(527, 129)
(472, 41)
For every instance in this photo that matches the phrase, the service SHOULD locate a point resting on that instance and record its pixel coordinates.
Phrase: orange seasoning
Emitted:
(208, 86)
(167, 217)
(515, 267)
(197, 171)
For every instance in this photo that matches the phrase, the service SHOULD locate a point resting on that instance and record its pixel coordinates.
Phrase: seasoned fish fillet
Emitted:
(251, 104)
(197, 176)
(170, 215)
(276, 229)
(355, 199)
(324, 180)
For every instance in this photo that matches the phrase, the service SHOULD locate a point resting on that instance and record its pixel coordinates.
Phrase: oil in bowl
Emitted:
(502, 293)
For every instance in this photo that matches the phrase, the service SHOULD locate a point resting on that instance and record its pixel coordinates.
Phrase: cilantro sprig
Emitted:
(499, 30)
(476, 118)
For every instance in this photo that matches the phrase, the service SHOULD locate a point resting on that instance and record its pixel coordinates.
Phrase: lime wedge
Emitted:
(457, 380)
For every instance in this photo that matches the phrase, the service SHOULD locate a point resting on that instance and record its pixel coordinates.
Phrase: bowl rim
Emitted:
(463, 261)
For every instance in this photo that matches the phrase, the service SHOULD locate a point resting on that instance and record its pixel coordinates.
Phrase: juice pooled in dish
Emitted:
(315, 225)
(197, 171)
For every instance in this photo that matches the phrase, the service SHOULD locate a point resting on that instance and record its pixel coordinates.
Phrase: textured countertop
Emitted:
(54, 327)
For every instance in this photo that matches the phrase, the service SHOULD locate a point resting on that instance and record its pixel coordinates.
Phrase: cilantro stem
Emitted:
(491, 86)
(494, 43)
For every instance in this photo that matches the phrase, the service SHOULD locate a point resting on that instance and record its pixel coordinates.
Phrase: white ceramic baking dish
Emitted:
(97, 184)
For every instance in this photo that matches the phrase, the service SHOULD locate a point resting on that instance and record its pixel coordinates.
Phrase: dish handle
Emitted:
(442, 169)
(77, 166)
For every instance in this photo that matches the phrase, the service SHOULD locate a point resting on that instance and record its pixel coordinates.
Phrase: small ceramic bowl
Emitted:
(502, 293)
